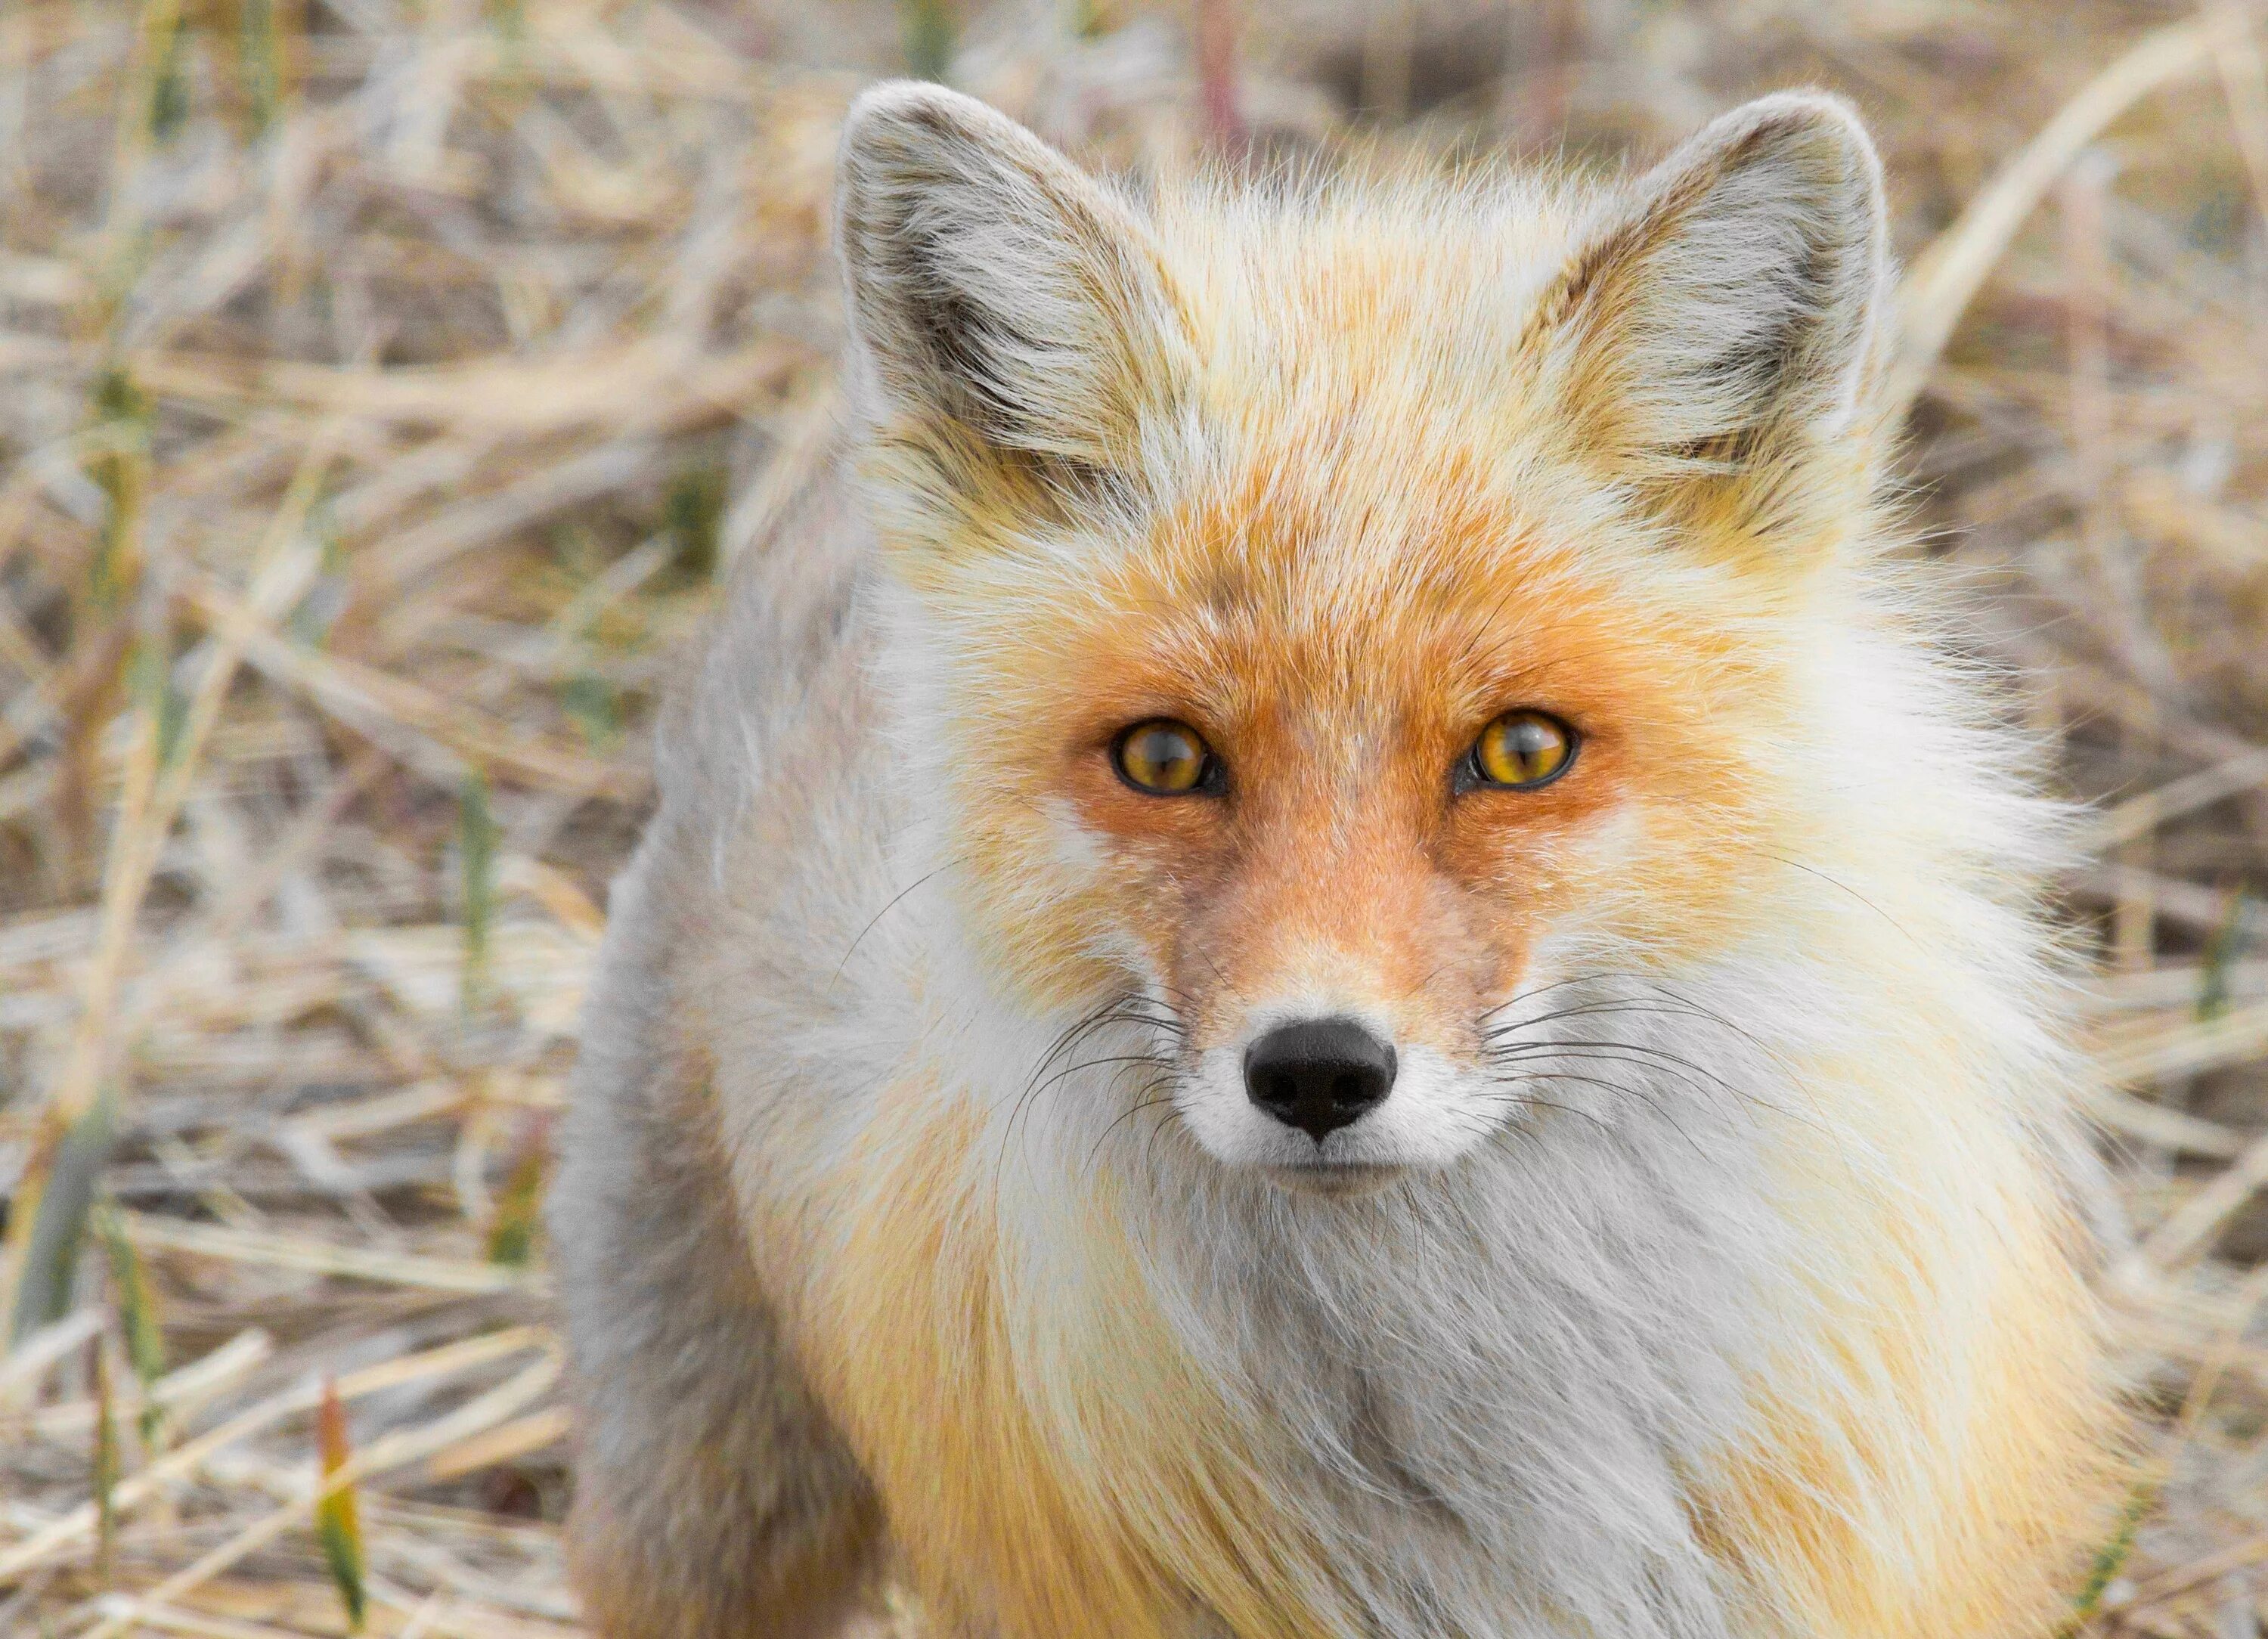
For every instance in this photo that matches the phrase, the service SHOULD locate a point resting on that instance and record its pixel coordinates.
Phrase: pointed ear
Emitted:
(1725, 315)
(994, 284)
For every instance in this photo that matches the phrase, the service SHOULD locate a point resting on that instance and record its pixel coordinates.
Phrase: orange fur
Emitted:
(921, 1364)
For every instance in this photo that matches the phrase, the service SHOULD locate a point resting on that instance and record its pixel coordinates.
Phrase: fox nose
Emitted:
(1319, 1074)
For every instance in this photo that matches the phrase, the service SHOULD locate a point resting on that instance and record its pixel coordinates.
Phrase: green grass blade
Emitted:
(695, 512)
(64, 1196)
(169, 85)
(137, 1316)
(928, 38)
(118, 465)
(519, 1205)
(2221, 953)
(106, 1466)
(2110, 1561)
(476, 846)
(595, 706)
(338, 1521)
(262, 62)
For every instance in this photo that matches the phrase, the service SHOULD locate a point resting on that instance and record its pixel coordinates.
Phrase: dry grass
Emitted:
(383, 382)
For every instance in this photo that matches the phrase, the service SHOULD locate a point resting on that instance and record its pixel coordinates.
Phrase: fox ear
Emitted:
(1726, 312)
(994, 283)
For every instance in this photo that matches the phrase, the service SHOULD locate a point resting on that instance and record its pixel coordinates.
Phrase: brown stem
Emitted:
(1223, 123)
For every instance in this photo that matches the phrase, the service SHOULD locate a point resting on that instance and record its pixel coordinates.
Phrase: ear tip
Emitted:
(889, 103)
(894, 134)
(902, 116)
(1805, 106)
(1804, 116)
(1819, 139)
(905, 133)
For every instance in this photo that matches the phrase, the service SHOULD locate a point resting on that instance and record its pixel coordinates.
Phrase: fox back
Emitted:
(1332, 950)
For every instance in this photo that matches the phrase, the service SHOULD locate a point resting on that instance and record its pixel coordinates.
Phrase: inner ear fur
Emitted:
(994, 284)
(1723, 316)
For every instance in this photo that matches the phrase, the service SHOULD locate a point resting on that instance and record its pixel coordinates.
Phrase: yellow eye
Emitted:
(1523, 750)
(1164, 759)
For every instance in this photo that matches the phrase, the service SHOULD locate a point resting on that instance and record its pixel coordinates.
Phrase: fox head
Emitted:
(1339, 616)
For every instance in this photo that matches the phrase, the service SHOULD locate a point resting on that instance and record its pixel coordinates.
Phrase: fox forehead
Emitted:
(1409, 571)
(1410, 284)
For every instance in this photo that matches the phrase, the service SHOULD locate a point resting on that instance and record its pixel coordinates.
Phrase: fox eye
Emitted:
(1164, 758)
(1523, 750)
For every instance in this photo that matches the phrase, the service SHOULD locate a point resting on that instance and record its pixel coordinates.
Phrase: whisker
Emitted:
(1125, 1008)
(1570, 1076)
(1629, 1052)
(1682, 1005)
(1124, 1116)
(1809, 871)
(896, 899)
(1223, 977)
(1594, 1009)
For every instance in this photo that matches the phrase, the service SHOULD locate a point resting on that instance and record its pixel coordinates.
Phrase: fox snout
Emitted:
(1319, 1075)
(1332, 1089)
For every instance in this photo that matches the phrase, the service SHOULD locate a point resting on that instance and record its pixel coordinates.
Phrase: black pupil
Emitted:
(1531, 739)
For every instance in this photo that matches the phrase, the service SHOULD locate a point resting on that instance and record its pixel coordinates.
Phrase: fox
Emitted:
(1338, 944)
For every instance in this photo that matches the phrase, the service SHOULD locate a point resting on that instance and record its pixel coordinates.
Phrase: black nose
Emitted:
(1319, 1075)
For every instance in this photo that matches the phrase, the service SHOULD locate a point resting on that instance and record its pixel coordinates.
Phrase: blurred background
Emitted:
(386, 386)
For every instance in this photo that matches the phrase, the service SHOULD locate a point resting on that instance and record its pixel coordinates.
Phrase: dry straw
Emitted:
(384, 385)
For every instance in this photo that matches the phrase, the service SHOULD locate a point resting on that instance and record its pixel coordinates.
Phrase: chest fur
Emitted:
(1092, 1423)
